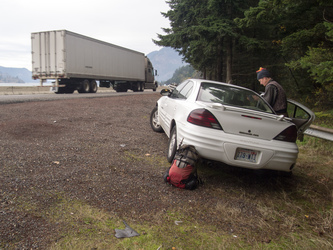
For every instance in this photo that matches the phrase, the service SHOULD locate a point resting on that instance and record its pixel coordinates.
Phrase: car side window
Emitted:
(176, 91)
(182, 91)
(186, 91)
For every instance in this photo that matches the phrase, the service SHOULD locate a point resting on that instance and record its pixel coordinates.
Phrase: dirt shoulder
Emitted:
(86, 149)
(102, 152)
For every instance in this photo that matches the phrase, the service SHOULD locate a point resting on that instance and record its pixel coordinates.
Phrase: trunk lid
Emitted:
(249, 123)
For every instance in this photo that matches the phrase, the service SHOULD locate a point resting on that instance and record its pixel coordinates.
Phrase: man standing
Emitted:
(274, 93)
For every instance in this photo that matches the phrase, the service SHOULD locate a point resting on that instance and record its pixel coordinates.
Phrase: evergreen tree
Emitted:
(280, 33)
(182, 74)
(203, 32)
(230, 39)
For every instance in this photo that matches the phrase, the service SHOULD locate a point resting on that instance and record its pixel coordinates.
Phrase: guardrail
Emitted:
(320, 132)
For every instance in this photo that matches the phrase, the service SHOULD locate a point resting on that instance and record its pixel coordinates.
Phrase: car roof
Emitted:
(199, 81)
(204, 80)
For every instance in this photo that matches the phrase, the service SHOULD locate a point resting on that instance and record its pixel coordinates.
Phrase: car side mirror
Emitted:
(165, 92)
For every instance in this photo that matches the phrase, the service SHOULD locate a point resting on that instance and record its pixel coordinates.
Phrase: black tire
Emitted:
(172, 145)
(135, 87)
(85, 87)
(154, 119)
(93, 86)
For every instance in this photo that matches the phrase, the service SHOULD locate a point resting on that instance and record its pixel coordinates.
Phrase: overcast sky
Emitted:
(128, 23)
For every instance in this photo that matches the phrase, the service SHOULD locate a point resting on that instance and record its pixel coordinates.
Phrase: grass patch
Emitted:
(90, 228)
(284, 221)
(316, 145)
(324, 118)
(316, 156)
(249, 212)
(87, 227)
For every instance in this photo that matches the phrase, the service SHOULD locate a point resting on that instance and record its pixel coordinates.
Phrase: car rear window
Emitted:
(232, 96)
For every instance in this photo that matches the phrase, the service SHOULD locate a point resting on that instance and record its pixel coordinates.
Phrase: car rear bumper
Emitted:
(218, 146)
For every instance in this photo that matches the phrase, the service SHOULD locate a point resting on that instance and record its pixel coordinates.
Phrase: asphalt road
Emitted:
(8, 99)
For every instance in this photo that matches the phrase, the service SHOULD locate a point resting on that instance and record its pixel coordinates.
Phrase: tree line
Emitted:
(228, 40)
(182, 74)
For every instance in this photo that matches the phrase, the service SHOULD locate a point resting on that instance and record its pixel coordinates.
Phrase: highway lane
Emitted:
(9, 99)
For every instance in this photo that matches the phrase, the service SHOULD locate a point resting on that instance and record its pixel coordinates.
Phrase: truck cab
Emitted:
(150, 82)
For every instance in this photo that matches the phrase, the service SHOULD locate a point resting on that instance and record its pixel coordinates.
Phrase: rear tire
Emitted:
(85, 87)
(93, 87)
(154, 121)
(135, 86)
(172, 145)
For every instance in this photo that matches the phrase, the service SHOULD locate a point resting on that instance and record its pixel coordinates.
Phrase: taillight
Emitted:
(203, 117)
(288, 135)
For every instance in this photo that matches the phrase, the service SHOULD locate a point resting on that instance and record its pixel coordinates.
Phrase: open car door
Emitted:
(301, 116)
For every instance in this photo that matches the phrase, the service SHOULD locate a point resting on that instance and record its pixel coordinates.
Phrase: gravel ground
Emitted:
(89, 149)
(100, 150)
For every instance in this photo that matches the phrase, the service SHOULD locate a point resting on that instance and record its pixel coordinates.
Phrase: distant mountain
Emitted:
(166, 61)
(15, 75)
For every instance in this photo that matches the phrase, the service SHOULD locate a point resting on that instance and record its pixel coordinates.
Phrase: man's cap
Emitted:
(262, 72)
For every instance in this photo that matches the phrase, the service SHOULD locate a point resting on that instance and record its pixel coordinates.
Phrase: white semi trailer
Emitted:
(77, 62)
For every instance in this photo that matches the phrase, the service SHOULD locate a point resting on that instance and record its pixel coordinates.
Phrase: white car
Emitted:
(230, 124)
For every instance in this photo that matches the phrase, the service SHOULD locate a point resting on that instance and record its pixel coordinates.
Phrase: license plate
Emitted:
(247, 155)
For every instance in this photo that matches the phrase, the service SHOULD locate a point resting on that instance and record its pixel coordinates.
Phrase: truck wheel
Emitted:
(85, 87)
(93, 86)
(136, 87)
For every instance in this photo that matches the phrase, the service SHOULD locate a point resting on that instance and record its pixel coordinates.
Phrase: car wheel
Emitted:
(154, 121)
(172, 148)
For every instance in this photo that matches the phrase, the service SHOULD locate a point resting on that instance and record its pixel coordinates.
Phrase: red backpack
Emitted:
(183, 171)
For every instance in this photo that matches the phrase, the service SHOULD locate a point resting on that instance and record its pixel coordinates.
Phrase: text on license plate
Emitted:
(247, 155)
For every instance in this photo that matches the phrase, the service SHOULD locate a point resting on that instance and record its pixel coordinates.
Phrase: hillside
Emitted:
(166, 61)
(15, 75)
